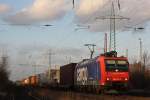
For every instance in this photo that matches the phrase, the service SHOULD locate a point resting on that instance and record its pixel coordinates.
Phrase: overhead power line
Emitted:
(113, 17)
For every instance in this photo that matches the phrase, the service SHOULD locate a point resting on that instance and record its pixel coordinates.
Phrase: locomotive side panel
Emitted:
(87, 73)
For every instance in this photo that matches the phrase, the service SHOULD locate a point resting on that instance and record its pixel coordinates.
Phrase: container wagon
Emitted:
(33, 80)
(42, 79)
(67, 75)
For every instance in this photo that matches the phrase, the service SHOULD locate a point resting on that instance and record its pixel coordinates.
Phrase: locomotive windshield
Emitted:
(116, 65)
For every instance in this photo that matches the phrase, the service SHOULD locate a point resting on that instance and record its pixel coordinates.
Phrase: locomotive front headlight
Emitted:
(126, 79)
(107, 79)
(102, 83)
(26, 81)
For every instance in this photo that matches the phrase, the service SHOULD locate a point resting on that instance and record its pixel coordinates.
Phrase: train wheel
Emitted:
(97, 91)
(102, 90)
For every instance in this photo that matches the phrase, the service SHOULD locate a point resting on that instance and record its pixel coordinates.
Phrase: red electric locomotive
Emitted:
(106, 71)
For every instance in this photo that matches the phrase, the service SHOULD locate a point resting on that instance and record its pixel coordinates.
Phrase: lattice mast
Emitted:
(113, 17)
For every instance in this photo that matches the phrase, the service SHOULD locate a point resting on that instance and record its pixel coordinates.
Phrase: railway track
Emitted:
(24, 93)
(31, 93)
(40, 98)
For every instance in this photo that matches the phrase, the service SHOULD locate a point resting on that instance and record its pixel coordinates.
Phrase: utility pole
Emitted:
(50, 63)
(127, 53)
(105, 43)
(140, 49)
(34, 66)
(140, 54)
(91, 48)
(68, 59)
(113, 17)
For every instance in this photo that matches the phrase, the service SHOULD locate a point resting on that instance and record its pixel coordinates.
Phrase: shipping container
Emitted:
(54, 76)
(25, 81)
(67, 75)
(33, 80)
(42, 79)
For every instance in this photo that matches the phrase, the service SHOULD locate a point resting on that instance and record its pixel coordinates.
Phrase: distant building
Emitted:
(54, 76)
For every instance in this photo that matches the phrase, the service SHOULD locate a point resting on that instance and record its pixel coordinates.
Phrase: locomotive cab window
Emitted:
(113, 65)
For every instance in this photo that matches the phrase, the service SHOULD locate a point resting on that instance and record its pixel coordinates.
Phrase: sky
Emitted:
(27, 42)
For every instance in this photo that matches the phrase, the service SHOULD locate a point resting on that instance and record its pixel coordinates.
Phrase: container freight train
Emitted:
(104, 72)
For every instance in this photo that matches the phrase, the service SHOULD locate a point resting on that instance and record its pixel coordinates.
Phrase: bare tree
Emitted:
(145, 60)
(4, 75)
(140, 75)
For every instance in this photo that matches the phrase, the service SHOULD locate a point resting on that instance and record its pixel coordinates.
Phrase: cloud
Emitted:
(39, 11)
(4, 8)
(88, 10)
(88, 7)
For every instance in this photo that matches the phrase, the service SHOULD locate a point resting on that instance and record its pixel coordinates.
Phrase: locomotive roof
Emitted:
(86, 61)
